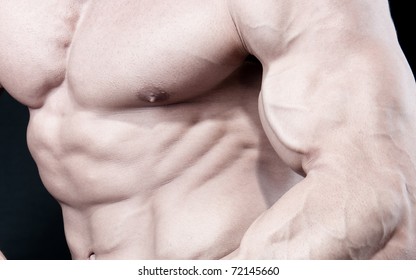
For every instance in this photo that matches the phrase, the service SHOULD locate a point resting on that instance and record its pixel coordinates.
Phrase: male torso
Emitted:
(143, 123)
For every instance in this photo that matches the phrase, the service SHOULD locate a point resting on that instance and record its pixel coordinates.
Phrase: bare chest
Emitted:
(114, 53)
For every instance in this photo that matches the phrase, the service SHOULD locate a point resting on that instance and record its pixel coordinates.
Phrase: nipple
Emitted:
(154, 96)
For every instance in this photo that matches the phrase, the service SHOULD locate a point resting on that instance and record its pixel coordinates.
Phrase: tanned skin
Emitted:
(233, 129)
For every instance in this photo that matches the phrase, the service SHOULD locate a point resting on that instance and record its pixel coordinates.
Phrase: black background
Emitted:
(30, 220)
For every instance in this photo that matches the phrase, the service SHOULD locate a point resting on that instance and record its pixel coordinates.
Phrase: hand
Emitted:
(2, 257)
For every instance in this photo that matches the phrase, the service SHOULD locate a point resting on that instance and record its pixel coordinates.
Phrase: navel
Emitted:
(153, 96)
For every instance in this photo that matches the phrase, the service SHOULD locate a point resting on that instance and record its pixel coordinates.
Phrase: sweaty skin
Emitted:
(218, 129)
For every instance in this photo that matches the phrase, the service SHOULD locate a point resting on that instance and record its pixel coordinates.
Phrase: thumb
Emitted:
(2, 257)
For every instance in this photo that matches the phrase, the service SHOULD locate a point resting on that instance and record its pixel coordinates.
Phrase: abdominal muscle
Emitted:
(182, 181)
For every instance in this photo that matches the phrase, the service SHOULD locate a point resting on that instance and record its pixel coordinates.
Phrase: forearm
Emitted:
(324, 217)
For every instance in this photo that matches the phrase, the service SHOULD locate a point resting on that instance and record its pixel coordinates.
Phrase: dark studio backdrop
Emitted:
(30, 220)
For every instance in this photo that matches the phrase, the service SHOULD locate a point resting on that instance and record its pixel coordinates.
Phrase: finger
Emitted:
(2, 257)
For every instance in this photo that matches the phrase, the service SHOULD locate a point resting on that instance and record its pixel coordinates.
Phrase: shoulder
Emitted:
(269, 27)
(255, 21)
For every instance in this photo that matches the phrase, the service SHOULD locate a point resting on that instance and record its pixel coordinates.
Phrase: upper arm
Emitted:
(336, 88)
(338, 104)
